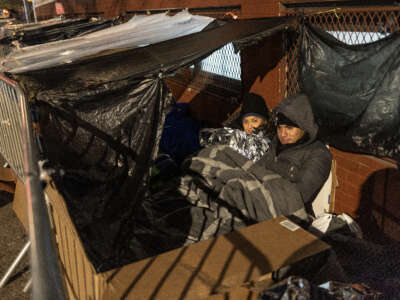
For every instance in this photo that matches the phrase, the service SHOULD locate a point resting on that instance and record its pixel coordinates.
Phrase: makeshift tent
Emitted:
(354, 91)
(101, 113)
(101, 118)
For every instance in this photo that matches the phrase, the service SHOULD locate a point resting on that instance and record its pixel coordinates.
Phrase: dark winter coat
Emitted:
(308, 164)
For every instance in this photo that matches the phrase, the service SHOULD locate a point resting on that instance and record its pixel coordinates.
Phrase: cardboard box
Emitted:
(211, 267)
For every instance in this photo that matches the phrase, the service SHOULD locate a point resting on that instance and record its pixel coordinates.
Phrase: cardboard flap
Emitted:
(20, 205)
(7, 174)
(7, 180)
(216, 265)
(8, 187)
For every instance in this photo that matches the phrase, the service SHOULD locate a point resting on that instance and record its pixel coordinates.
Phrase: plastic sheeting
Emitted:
(101, 147)
(167, 56)
(354, 92)
(140, 31)
(22, 35)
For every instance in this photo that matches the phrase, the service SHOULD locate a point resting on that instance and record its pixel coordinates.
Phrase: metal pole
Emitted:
(15, 263)
(26, 12)
(27, 286)
(47, 283)
(34, 11)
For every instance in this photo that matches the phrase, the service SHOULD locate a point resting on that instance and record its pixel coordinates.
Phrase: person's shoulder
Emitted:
(320, 147)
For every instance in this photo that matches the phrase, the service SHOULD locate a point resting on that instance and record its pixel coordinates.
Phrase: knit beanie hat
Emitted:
(254, 105)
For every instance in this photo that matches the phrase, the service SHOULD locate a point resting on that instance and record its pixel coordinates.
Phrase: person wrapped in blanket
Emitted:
(248, 135)
(231, 187)
(295, 153)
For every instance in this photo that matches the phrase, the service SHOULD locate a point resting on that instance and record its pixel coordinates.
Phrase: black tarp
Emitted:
(164, 57)
(101, 120)
(354, 91)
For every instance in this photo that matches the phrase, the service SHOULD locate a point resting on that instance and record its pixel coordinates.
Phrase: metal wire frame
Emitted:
(11, 127)
(19, 145)
(220, 71)
(350, 26)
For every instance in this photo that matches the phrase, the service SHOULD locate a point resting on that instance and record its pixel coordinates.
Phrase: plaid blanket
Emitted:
(227, 191)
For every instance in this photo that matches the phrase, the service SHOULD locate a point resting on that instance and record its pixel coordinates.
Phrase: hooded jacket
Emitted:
(307, 164)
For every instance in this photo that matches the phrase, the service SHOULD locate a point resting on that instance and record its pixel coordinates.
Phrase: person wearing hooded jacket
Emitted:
(295, 152)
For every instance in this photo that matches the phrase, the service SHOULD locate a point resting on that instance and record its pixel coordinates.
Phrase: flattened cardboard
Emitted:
(20, 205)
(193, 272)
(335, 184)
(7, 174)
(7, 180)
(239, 293)
(248, 290)
(215, 265)
(8, 187)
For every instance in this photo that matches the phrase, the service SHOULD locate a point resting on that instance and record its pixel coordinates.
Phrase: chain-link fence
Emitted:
(220, 70)
(223, 62)
(349, 26)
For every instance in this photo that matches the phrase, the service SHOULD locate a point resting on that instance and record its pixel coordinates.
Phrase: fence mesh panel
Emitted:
(223, 62)
(11, 128)
(221, 70)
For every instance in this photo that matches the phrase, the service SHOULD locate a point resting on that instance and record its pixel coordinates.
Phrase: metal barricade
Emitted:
(11, 127)
(18, 146)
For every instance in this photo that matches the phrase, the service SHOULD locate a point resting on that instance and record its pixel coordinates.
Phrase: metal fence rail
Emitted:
(20, 150)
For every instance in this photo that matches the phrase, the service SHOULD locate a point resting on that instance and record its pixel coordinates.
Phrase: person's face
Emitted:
(251, 122)
(289, 134)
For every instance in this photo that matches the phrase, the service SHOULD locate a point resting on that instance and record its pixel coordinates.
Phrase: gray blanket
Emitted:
(228, 191)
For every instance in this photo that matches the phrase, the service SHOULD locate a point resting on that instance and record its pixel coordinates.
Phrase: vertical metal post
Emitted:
(15, 263)
(34, 12)
(27, 19)
(47, 283)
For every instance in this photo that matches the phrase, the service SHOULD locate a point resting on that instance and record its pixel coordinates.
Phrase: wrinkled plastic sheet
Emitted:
(139, 31)
(99, 149)
(22, 35)
(354, 91)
